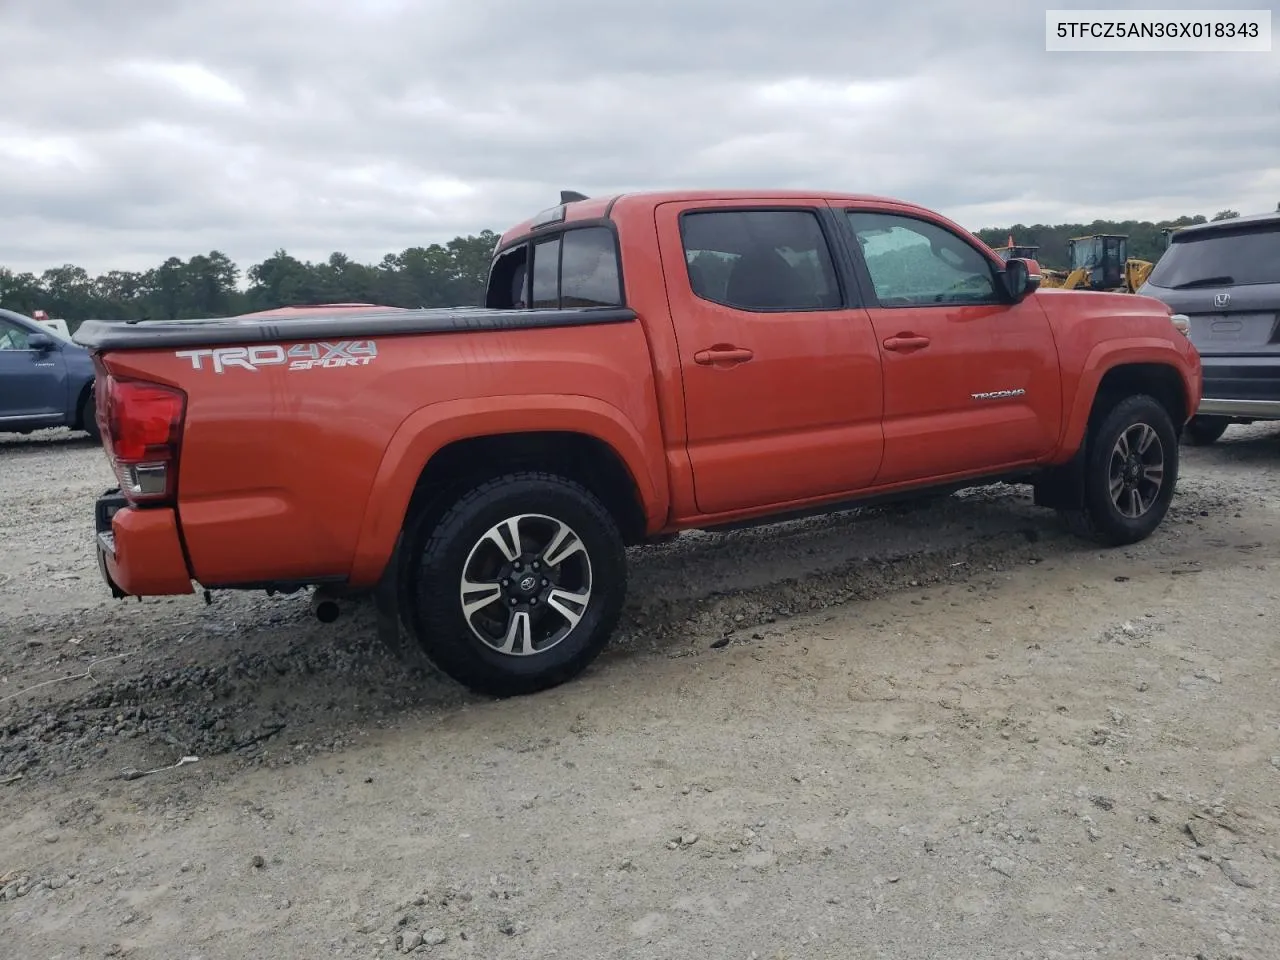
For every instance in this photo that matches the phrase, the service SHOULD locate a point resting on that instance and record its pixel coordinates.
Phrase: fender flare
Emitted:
(431, 428)
(1101, 360)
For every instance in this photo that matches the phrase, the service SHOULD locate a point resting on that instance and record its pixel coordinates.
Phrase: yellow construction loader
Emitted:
(1100, 262)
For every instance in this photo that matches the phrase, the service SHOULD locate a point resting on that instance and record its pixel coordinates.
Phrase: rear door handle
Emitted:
(906, 341)
(723, 355)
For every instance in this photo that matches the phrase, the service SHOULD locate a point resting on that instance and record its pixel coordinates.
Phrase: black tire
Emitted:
(1101, 518)
(89, 416)
(1202, 431)
(458, 545)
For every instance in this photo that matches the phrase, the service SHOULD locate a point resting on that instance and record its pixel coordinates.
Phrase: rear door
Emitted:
(32, 382)
(971, 380)
(1226, 280)
(780, 370)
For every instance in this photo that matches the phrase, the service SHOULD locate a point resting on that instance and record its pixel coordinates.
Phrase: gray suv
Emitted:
(1224, 277)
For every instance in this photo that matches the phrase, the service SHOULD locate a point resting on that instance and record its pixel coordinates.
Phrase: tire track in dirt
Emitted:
(226, 679)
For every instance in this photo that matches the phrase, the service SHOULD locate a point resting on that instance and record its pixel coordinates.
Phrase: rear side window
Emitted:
(760, 260)
(575, 268)
(546, 274)
(508, 280)
(589, 269)
(1222, 259)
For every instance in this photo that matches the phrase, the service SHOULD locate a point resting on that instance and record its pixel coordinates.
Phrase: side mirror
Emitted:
(41, 342)
(1021, 278)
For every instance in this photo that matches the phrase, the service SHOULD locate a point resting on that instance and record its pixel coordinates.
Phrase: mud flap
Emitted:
(103, 510)
(1062, 487)
(386, 601)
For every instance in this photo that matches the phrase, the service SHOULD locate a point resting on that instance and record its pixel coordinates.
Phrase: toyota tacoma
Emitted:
(642, 364)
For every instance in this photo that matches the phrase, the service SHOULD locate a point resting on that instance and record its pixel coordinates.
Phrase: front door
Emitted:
(971, 380)
(32, 384)
(779, 366)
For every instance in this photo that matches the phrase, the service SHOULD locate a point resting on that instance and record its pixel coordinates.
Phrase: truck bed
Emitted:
(101, 335)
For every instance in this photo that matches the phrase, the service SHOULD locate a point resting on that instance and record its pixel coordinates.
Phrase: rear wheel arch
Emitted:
(582, 458)
(444, 448)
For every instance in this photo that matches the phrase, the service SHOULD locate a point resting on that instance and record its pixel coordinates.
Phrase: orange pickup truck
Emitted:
(643, 364)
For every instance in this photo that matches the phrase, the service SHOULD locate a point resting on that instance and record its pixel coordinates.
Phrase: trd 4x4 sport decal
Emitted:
(300, 356)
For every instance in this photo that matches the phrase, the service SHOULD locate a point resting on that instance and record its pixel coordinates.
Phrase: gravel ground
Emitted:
(949, 730)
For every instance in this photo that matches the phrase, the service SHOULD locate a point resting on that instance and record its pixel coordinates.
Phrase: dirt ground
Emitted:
(951, 731)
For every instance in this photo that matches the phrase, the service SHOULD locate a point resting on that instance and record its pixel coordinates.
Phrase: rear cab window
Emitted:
(760, 260)
(1229, 257)
(576, 266)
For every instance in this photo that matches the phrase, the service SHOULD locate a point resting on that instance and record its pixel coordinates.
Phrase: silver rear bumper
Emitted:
(1257, 409)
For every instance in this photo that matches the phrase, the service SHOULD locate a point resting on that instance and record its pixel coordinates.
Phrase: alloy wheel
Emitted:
(525, 584)
(1136, 470)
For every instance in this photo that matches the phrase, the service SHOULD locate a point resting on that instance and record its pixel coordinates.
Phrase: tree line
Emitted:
(209, 285)
(439, 275)
(1146, 239)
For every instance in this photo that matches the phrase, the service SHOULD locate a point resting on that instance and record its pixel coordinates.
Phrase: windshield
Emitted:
(1238, 256)
(1084, 254)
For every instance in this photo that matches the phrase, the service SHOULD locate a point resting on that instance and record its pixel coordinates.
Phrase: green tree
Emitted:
(20, 291)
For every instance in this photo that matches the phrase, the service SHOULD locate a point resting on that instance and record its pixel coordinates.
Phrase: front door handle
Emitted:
(906, 341)
(723, 355)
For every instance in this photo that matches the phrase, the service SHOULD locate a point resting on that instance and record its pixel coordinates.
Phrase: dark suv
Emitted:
(1224, 277)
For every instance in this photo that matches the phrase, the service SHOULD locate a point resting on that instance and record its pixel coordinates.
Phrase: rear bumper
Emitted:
(1241, 386)
(139, 552)
(1244, 409)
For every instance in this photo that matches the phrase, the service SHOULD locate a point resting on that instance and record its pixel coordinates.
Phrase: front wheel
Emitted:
(1131, 469)
(1202, 431)
(519, 585)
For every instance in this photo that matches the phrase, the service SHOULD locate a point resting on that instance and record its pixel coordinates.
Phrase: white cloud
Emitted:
(193, 80)
(139, 130)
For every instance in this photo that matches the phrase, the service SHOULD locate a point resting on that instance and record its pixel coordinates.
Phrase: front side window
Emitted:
(760, 260)
(916, 263)
(12, 337)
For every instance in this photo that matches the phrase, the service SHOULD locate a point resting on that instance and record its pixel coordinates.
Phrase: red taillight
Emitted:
(141, 427)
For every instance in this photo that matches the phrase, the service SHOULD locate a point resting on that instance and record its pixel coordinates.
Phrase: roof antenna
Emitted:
(572, 196)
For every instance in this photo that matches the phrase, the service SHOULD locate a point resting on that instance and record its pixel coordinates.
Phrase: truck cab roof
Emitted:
(603, 208)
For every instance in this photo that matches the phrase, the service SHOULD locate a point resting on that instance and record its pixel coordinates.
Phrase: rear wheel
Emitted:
(1131, 469)
(1202, 431)
(89, 416)
(519, 585)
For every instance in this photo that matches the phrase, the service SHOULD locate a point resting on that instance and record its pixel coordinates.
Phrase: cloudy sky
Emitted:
(132, 130)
